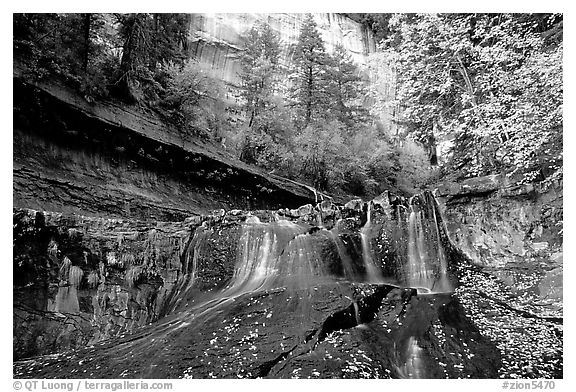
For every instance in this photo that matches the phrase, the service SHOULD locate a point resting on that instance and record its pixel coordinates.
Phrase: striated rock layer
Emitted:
(104, 159)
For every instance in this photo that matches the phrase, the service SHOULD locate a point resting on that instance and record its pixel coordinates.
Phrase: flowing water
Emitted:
(412, 364)
(373, 273)
(293, 287)
(427, 266)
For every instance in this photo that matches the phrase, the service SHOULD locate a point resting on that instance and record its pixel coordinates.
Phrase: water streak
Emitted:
(419, 274)
(444, 283)
(427, 265)
(412, 367)
(373, 273)
(345, 258)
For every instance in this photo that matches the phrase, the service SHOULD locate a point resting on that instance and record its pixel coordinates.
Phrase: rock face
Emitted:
(215, 39)
(79, 280)
(106, 160)
(269, 294)
(515, 233)
(497, 223)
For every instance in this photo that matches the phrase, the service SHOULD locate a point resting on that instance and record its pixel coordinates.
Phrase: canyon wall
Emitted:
(216, 39)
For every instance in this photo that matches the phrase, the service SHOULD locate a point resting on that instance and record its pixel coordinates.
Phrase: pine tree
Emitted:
(169, 40)
(308, 90)
(136, 41)
(259, 65)
(344, 87)
(147, 41)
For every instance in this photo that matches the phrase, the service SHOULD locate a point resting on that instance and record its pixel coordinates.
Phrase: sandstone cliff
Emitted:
(215, 39)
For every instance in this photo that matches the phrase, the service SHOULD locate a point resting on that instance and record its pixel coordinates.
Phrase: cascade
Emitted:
(427, 266)
(272, 255)
(190, 264)
(345, 258)
(419, 275)
(269, 255)
(373, 274)
(444, 283)
(66, 300)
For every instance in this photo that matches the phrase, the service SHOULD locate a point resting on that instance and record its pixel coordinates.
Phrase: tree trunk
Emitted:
(133, 27)
(87, 22)
(467, 80)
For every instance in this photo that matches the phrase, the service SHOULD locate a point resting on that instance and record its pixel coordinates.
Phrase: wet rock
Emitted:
(305, 210)
(82, 269)
(258, 296)
(355, 205)
(527, 332)
(537, 246)
(497, 230)
(471, 186)
(309, 333)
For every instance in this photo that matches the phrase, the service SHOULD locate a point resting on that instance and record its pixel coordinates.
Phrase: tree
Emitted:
(169, 40)
(308, 89)
(377, 23)
(480, 79)
(320, 154)
(259, 66)
(192, 99)
(147, 41)
(72, 47)
(344, 87)
(259, 82)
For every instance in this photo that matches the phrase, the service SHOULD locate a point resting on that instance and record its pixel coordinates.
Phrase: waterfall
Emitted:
(277, 254)
(289, 255)
(190, 265)
(427, 265)
(66, 300)
(444, 283)
(345, 258)
(419, 274)
(373, 273)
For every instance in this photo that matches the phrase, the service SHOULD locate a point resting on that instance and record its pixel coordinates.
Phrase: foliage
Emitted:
(329, 143)
(265, 129)
(71, 46)
(333, 157)
(192, 98)
(377, 23)
(415, 169)
(317, 151)
(93, 279)
(489, 81)
(268, 139)
(321, 133)
(373, 162)
(102, 53)
(148, 40)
